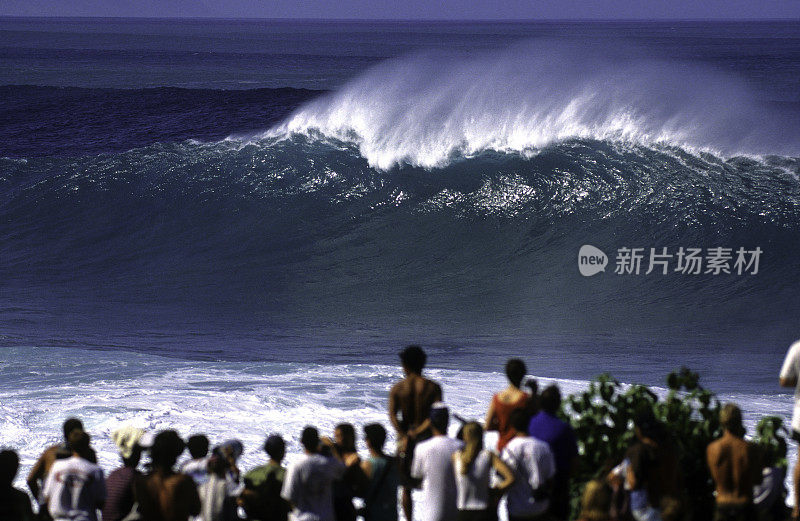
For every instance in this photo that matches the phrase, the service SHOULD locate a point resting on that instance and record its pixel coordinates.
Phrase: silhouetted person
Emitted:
(789, 378)
(75, 487)
(164, 495)
(546, 426)
(382, 477)
(433, 465)
(119, 484)
(218, 494)
(14, 504)
(473, 467)
(651, 471)
(735, 468)
(261, 497)
(508, 400)
(231, 451)
(197, 467)
(534, 468)
(309, 481)
(344, 489)
(41, 468)
(410, 402)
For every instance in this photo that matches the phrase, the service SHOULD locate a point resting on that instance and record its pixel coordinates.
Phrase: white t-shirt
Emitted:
(533, 464)
(791, 369)
(196, 468)
(73, 490)
(473, 487)
(309, 487)
(433, 464)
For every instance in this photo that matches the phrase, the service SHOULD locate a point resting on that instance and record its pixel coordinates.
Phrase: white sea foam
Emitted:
(425, 109)
(39, 388)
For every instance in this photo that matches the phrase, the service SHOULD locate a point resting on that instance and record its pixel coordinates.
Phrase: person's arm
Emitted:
(505, 472)
(35, 475)
(47, 489)
(788, 375)
(393, 412)
(712, 460)
(490, 422)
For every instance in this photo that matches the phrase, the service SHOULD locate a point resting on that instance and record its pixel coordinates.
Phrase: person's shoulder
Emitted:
(456, 442)
(714, 446)
(514, 444)
(794, 349)
(400, 384)
(537, 444)
(431, 384)
(60, 464)
(426, 445)
(257, 472)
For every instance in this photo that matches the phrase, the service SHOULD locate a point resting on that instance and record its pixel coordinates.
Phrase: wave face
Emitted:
(276, 243)
(426, 109)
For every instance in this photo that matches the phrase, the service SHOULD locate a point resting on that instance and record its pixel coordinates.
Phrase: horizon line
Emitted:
(394, 20)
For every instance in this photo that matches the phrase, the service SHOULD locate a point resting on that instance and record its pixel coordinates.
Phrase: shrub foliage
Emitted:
(602, 417)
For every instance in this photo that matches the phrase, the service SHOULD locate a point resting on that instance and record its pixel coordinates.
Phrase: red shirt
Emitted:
(502, 414)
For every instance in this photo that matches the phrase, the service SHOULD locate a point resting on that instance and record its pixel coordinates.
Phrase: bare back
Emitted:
(734, 467)
(412, 398)
(167, 497)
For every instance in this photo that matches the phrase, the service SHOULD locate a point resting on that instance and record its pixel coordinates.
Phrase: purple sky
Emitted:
(411, 9)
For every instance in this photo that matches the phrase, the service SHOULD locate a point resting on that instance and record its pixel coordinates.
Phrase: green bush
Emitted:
(603, 415)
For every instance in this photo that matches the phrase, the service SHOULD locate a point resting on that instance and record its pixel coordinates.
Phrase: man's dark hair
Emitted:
(375, 434)
(413, 358)
(550, 399)
(9, 465)
(648, 425)
(70, 425)
(515, 371)
(518, 419)
(275, 447)
(309, 439)
(348, 435)
(440, 418)
(167, 446)
(80, 445)
(198, 446)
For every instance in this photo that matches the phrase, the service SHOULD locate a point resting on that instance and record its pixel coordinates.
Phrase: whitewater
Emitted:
(427, 109)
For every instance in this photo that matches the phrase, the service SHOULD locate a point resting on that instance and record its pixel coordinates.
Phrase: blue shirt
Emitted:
(561, 438)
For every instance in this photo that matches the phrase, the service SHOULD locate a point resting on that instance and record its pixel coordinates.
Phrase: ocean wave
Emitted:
(425, 110)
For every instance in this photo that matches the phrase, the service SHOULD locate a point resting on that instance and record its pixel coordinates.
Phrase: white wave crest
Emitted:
(426, 109)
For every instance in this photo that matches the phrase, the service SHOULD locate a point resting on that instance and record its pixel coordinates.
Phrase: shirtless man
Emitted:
(38, 474)
(734, 467)
(165, 495)
(410, 402)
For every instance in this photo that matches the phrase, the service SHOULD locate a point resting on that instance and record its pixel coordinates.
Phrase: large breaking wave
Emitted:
(433, 195)
(426, 109)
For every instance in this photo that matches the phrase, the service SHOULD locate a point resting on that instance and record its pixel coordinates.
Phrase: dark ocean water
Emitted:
(326, 192)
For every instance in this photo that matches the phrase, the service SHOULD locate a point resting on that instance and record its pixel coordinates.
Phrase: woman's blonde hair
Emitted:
(473, 445)
(596, 501)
